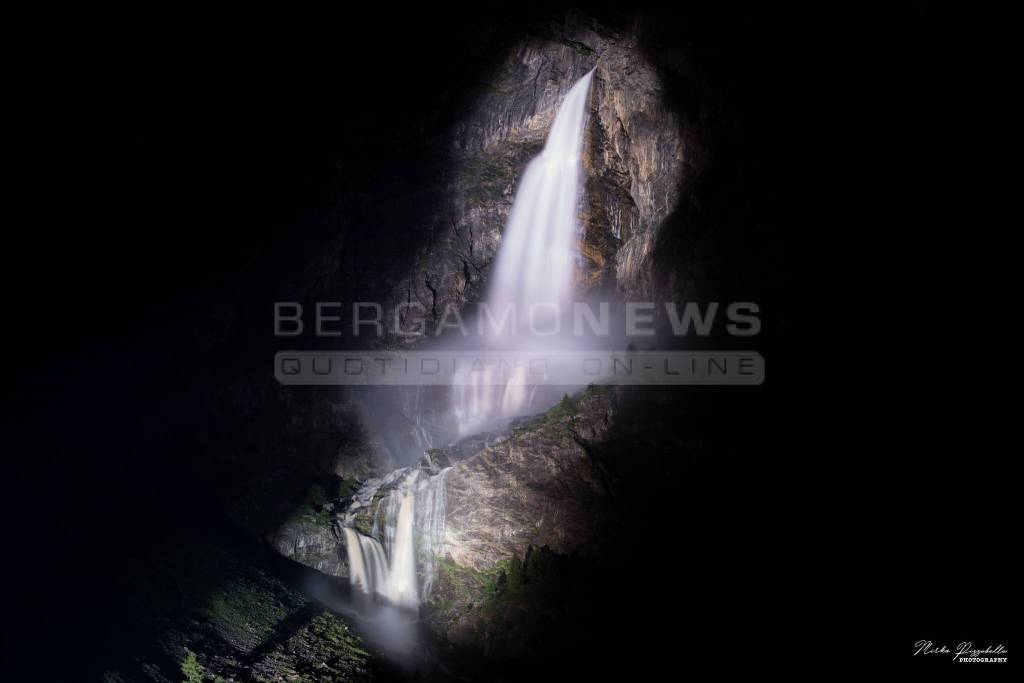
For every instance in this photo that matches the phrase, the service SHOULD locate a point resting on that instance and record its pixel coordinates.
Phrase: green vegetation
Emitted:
(526, 604)
(316, 496)
(598, 390)
(324, 649)
(464, 574)
(566, 407)
(347, 488)
(321, 518)
(363, 526)
(541, 575)
(337, 634)
(458, 586)
(556, 424)
(313, 507)
(240, 621)
(191, 669)
(245, 612)
(516, 574)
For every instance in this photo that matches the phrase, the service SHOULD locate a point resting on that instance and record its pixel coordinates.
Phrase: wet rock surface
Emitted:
(537, 487)
(312, 543)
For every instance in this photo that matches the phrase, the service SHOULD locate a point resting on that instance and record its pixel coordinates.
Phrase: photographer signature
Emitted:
(964, 649)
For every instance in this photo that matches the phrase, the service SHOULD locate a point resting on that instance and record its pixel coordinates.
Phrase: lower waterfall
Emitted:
(368, 566)
(409, 522)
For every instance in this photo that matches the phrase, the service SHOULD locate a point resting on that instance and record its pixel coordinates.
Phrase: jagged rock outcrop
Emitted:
(538, 493)
(538, 487)
(314, 542)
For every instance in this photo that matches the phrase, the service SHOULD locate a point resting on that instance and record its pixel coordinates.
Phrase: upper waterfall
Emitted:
(532, 273)
(535, 263)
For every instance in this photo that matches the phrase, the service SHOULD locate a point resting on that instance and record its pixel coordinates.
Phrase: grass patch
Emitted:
(317, 505)
(246, 612)
(325, 649)
(556, 424)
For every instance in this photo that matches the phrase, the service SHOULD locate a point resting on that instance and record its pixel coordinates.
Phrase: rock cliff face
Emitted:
(635, 165)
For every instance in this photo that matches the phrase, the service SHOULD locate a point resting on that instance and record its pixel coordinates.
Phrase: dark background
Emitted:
(164, 164)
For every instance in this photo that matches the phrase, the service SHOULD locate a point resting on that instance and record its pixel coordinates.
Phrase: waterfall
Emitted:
(532, 274)
(409, 521)
(402, 582)
(368, 568)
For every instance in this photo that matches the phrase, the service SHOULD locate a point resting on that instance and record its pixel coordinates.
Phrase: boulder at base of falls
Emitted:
(536, 503)
(314, 542)
(307, 530)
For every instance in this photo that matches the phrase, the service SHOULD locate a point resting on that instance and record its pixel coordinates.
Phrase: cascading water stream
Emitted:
(409, 521)
(533, 280)
(533, 271)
